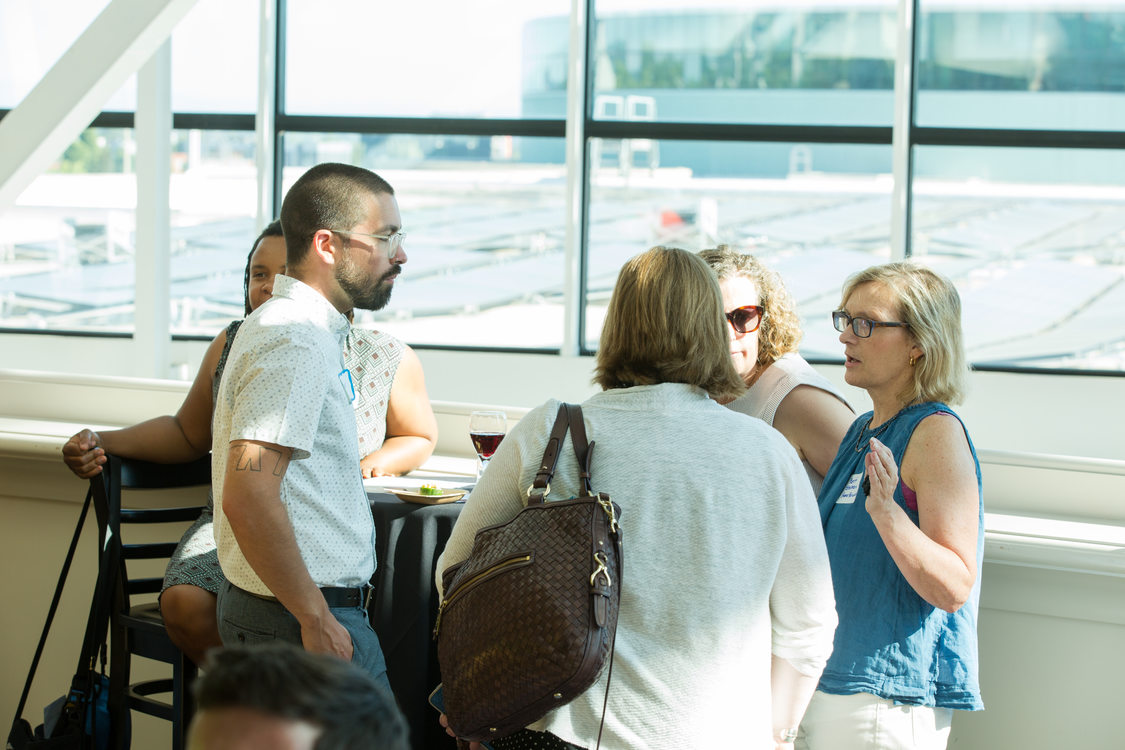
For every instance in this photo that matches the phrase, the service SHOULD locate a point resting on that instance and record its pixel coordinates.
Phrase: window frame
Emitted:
(904, 135)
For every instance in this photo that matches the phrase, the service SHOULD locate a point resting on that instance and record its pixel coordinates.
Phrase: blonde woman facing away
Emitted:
(903, 519)
(782, 388)
(726, 607)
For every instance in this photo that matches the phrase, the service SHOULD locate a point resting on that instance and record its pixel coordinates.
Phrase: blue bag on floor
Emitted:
(78, 720)
(62, 718)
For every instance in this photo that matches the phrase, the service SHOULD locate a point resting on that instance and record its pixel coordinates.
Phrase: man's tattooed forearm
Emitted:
(251, 457)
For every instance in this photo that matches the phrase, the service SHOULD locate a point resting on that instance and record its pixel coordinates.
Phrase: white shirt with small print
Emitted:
(286, 383)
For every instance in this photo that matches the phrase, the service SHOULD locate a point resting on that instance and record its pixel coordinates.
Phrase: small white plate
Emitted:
(450, 496)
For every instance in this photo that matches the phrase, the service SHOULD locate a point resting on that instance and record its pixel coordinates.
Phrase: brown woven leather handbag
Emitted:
(528, 619)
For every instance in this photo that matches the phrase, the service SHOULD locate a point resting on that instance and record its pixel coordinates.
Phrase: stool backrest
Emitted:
(120, 474)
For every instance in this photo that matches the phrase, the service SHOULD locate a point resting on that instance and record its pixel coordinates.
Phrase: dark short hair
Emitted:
(285, 681)
(327, 196)
(273, 229)
(665, 324)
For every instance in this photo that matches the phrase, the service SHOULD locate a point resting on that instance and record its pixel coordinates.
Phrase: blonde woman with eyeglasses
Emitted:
(903, 520)
(782, 388)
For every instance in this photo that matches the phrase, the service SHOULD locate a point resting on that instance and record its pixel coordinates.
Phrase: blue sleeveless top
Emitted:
(890, 642)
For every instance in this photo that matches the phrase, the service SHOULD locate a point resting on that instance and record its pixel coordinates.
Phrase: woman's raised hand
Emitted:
(882, 471)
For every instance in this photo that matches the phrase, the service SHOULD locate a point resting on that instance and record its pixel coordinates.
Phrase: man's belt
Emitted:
(335, 596)
(343, 597)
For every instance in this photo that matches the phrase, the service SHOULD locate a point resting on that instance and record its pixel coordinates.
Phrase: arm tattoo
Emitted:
(250, 457)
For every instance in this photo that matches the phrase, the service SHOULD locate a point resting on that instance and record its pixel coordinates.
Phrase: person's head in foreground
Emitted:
(665, 324)
(278, 696)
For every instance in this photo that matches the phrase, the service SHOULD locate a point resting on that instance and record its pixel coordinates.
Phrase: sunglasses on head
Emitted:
(745, 319)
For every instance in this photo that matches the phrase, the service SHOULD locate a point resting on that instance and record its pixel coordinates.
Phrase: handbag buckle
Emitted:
(607, 506)
(601, 560)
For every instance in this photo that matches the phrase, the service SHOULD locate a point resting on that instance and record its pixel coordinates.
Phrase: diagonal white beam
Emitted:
(116, 44)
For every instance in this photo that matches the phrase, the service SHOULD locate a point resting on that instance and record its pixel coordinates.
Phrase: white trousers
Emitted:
(866, 722)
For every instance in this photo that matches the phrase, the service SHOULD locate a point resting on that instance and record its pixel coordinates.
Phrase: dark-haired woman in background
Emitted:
(187, 601)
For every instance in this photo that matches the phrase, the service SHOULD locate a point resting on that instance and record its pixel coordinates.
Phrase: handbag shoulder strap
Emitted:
(569, 415)
(583, 451)
(542, 484)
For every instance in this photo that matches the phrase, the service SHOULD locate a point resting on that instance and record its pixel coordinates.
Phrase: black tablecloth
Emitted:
(409, 538)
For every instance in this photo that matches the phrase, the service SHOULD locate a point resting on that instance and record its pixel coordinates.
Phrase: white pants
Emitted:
(865, 722)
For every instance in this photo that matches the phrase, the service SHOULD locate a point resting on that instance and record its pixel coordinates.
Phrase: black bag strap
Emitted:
(54, 604)
(78, 710)
(109, 568)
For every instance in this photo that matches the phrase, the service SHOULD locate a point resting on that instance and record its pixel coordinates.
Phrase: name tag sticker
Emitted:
(346, 381)
(850, 490)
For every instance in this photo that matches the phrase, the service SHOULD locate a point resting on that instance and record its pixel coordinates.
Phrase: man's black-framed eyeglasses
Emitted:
(745, 319)
(394, 241)
(861, 327)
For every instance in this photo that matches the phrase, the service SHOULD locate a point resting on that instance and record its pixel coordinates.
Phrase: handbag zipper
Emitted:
(518, 560)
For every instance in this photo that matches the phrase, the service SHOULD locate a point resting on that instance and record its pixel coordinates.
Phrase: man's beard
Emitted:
(364, 294)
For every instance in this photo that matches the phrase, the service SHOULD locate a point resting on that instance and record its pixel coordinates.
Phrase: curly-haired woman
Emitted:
(783, 389)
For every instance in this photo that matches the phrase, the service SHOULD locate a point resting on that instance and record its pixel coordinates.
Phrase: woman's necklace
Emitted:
(865, 436)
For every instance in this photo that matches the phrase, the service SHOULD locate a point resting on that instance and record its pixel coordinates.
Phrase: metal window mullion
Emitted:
(281, 74)
(152, 235)
(901, 146)
(264, 124)
(576, 108)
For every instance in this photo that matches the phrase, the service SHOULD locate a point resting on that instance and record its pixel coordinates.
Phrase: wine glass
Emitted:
(487, 429)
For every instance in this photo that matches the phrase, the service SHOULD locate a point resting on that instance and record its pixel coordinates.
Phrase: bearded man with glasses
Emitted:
(294, 530)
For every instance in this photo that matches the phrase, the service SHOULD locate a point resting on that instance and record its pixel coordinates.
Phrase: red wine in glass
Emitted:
(486, 443)
(486, 429)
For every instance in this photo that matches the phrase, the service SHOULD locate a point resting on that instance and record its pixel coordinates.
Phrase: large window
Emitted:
(68, 245)
(484, 218)
(441, 109)
(1022, 65)
(1018, 186)
(32, 38)
(764, 124)
(423, 58)
(776, 62)
(815, 213)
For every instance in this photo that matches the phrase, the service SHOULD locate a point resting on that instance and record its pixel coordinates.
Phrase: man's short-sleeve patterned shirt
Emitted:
(286, 383)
